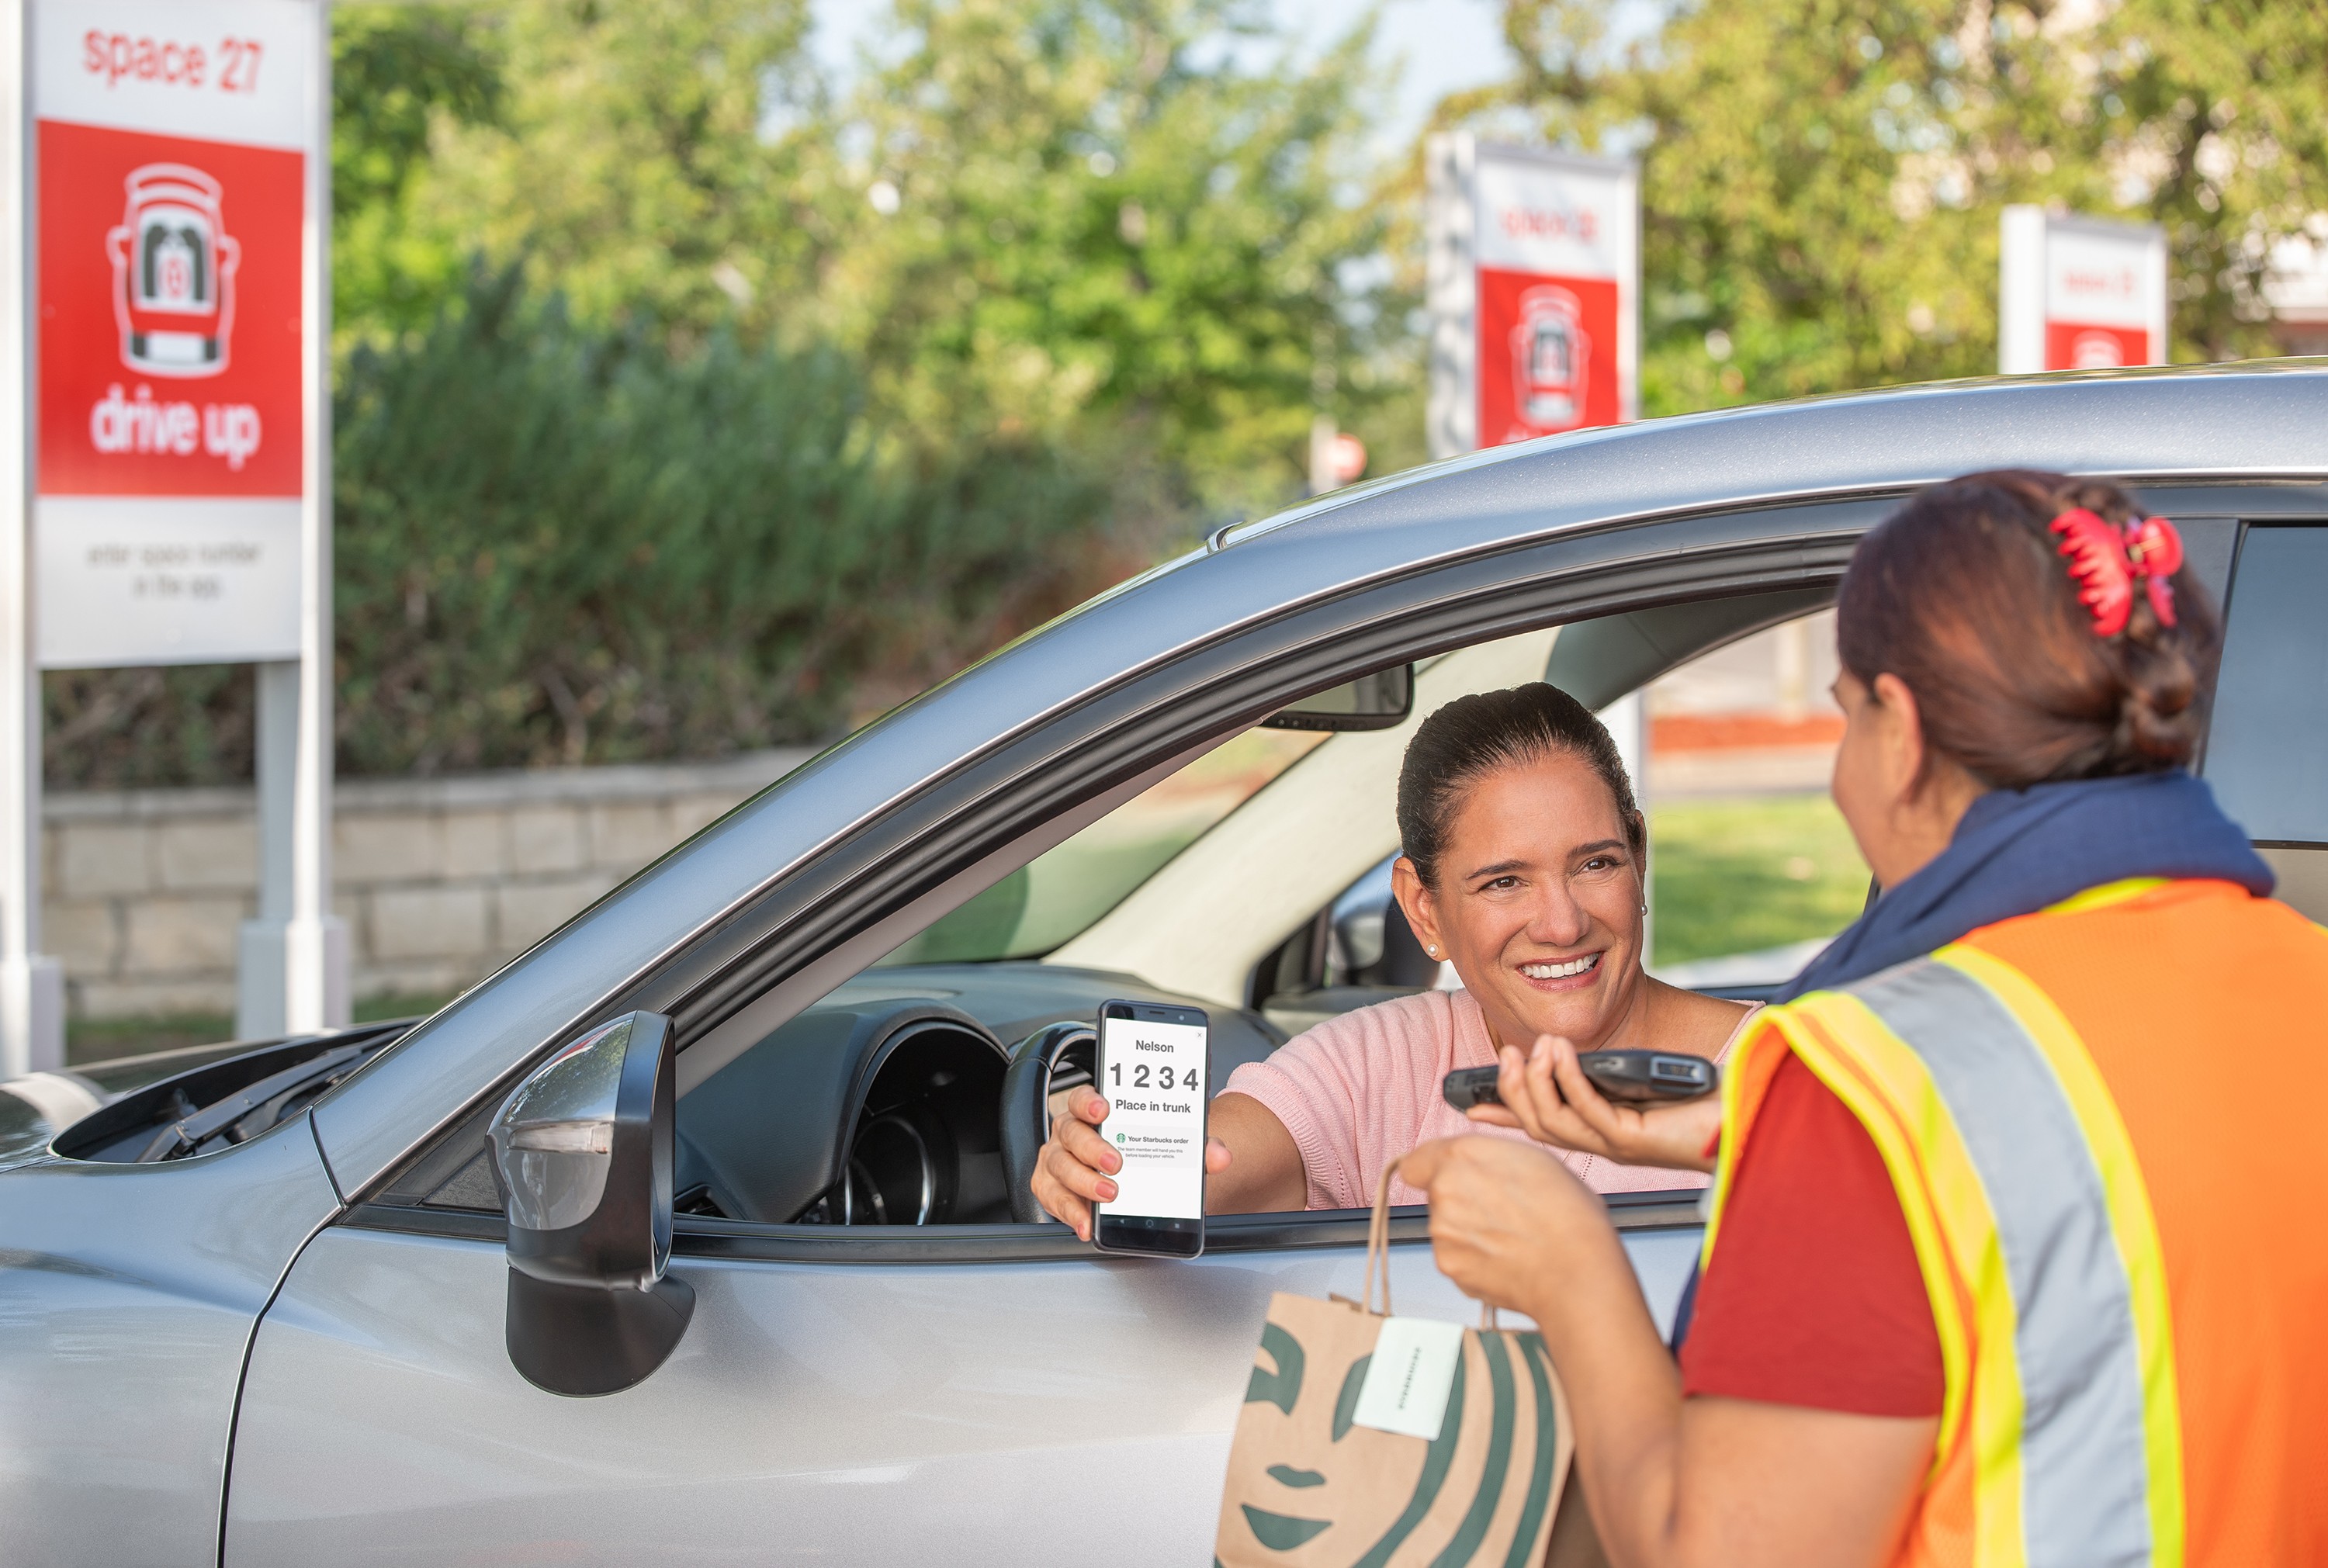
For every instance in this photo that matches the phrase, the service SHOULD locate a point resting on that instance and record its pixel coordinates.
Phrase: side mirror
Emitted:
(1380, 700)
(582, 1152)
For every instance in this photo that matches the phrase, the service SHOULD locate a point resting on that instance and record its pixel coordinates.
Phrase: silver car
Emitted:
(699, 1232)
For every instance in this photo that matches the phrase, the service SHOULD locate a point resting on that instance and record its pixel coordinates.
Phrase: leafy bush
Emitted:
(558, 543)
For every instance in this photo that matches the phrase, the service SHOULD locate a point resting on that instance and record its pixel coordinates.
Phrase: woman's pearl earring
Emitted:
(1433, 951)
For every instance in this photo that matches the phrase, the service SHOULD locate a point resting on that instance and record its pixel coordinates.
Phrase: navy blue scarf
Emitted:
(2017, 851)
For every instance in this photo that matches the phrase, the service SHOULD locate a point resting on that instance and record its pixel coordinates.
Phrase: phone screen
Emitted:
(1152, 1069)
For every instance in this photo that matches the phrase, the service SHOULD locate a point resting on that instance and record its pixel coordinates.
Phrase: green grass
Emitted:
(104, 1039)
(397, 1005)
(1738, 875)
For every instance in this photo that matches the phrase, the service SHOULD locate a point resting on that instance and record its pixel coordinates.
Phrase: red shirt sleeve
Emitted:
(1814, 1297)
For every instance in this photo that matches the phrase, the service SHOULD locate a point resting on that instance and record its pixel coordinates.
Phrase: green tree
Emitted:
(398, 73)
(641, 161)
(1822, 178)
(2213, 118)
(1084, 216)
(1082, 222)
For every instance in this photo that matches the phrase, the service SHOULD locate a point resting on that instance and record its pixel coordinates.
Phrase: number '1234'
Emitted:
(1163, 1079)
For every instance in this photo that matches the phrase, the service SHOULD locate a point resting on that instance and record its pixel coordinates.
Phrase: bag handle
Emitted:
(1378, 1243)
(1378, 1254)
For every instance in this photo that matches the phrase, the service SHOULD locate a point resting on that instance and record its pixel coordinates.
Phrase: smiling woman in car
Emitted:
(1526, 868)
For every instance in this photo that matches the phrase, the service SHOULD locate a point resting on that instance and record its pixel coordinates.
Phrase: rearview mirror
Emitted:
(582, 1153)
(1380, 700)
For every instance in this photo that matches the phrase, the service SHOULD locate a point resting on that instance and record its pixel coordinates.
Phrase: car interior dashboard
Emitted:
(879, 1104)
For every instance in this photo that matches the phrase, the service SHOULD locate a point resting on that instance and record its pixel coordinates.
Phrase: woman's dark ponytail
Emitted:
(1965, 595)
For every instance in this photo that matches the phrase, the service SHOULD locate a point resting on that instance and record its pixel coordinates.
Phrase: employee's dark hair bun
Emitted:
(1963, 595)
(1474, 735)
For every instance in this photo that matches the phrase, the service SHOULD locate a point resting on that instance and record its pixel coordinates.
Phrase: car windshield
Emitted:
(1063, 891)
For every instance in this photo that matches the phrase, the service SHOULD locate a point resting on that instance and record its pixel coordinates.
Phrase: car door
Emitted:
(848, 1397)
(841, 1392)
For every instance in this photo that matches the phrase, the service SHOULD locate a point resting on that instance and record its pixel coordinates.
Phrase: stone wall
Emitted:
(440, 880)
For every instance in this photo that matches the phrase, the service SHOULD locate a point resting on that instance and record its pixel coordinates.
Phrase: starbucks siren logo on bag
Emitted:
(1367, 1439)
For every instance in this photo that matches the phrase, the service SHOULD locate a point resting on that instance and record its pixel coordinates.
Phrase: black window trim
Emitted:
(698, 1238)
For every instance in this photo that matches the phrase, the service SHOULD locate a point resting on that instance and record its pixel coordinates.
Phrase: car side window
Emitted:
(1751, 869)
(1061, 893)
(1260, 874)
(2267, 750)
(891, 1092)
(2267, 755)
(1358, 951)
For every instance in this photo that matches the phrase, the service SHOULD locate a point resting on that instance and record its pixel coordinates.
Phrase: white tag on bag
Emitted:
(1409, 1376)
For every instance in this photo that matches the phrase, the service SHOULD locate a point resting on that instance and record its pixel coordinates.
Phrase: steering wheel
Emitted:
(893, 1176)
(1053, 1057)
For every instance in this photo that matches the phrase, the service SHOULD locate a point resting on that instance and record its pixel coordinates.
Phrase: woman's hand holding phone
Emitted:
(1546, 1095)
(1077, 1167)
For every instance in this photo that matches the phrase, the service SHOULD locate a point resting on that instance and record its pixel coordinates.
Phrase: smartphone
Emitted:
(1633, 1077)
(1154, 1062)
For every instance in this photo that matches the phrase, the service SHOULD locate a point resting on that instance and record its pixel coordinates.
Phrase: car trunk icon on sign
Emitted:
(1550, 353)
(2096, 351)
(174, 269)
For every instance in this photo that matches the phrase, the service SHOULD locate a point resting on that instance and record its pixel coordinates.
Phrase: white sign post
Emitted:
(2078, 294)
(1533, 284)
(169, 212)
(1534, 287)
(32, 986)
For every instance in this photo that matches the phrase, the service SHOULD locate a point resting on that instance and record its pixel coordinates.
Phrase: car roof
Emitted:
(2242, 423)
(2231, 424)
(2249, 420)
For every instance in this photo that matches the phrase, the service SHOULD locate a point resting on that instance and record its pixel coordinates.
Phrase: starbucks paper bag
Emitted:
(1470, 1470)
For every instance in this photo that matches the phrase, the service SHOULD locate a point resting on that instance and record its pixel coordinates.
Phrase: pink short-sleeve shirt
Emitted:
(1359, 1089)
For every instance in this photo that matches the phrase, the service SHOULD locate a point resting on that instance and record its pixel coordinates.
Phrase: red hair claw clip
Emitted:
(2106, 560)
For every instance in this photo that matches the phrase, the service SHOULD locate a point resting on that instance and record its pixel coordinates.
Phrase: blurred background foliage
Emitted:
(1821, 179)
(550, 625)
(696, 396)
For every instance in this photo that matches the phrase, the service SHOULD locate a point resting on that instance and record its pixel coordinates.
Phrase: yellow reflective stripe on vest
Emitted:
(1882, 1084)
(2018, 1183)
(2105, 895)
(2133, 1226)
(2059, 1402)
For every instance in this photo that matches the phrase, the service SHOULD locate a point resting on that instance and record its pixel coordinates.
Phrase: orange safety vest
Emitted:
(2106, 1124)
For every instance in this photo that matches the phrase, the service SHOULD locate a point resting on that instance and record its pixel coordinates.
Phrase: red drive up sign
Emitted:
(2078, 294)
(173, 142)
(1556, 248)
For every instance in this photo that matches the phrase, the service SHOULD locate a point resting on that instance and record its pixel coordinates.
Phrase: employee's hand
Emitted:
(1077, 1167)
(1546, 1095)
(1510, 1224)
